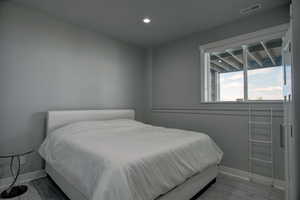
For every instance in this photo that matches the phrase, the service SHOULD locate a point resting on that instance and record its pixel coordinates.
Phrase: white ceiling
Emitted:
(171, 19)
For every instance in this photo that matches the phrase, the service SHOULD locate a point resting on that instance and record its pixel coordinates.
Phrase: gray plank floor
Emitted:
(230, 188)
(226, 188)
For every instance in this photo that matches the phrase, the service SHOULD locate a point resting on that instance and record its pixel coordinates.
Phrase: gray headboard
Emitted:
(56, 119)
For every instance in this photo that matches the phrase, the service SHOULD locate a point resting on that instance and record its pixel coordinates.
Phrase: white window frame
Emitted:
(222, 45)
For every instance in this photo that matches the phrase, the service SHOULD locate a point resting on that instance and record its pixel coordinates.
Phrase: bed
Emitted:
(107, 155)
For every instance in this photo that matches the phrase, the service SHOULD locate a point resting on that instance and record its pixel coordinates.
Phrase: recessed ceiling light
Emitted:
(146, 20)
(219, 61)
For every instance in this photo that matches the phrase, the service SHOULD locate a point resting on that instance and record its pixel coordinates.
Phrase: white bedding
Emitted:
(126, 159)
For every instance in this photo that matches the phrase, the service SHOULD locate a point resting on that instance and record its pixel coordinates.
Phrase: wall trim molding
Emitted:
(218, 110)
(279, 184)
(26, 177)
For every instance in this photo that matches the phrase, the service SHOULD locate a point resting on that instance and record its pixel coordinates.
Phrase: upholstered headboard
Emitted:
(56, 119)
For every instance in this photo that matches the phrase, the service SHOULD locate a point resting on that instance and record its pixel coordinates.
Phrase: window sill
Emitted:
(245, 102)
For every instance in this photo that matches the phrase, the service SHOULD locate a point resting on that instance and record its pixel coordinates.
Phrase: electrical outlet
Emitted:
(22, 160)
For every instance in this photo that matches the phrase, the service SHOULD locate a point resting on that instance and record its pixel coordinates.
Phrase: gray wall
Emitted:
(175, 92)
(296, 91)
(46, 64)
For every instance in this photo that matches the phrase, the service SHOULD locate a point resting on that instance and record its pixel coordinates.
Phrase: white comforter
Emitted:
(126, 159)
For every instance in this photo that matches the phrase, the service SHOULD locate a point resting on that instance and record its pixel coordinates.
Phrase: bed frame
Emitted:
(190, 189)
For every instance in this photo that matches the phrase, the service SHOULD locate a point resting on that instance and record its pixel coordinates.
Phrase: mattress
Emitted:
(125, 159)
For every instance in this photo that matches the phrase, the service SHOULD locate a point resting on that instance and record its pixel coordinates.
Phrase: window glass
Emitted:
(227, 75)
(232, 86)
(264, 72)
(265, 83)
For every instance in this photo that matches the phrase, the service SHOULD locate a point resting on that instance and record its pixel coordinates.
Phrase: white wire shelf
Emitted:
(261, 141)
(259, 123)
(261, 160)
(266, 122)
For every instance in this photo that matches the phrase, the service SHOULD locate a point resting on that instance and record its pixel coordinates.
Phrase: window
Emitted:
(244, 68)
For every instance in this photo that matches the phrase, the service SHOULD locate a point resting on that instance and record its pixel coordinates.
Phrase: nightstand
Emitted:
(12, 190)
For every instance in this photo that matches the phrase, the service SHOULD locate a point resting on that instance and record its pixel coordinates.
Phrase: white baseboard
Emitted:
(280, 184)
(23, 178)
